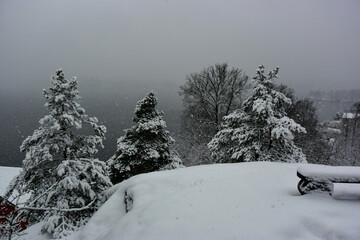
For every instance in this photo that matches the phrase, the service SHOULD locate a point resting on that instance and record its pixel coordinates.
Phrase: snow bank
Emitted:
(224, 201)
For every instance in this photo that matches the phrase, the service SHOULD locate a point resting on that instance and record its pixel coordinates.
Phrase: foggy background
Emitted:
(119, 50)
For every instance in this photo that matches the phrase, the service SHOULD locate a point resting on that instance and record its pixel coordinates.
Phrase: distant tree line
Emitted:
(352, 95)
(330, 102)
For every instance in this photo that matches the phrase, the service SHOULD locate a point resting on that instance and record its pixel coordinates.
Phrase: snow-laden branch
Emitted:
(58, 209)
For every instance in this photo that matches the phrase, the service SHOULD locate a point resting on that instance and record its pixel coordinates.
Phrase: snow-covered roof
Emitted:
(333, 123)
(330, 130)
(349, 115)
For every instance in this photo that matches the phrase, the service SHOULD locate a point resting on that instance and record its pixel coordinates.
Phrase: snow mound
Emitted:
(223, 201)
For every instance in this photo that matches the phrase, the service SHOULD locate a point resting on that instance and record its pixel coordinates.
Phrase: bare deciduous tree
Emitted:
(208, 96)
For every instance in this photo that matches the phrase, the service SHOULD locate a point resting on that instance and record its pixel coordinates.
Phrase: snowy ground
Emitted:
(227, 201)
(6, 175)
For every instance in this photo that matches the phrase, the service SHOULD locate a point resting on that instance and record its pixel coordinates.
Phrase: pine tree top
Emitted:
(266, 101)
(145, 108)
(62, 91)
(57, 138)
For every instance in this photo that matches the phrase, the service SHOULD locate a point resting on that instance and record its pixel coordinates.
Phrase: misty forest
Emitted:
(179, 120)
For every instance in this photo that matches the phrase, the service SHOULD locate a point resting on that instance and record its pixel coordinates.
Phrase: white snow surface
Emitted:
(247, 201)
(6, 175)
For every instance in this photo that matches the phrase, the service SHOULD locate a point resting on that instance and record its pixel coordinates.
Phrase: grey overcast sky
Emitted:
(316, 43)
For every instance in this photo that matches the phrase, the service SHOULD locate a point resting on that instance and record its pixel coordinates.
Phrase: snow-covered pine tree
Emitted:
(145, 147)
(261, 130)
(59, 172)
(79, 192)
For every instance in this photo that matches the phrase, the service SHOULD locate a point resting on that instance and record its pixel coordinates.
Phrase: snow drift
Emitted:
(223, 201)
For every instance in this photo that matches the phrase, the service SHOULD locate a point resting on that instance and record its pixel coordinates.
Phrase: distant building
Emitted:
(350, 121)
(350, 118)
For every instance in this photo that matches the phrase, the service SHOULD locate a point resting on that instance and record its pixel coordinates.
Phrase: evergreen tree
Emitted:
(79, 192)
(303, 112)
(145, 147)
(261, 131)
(59, 172)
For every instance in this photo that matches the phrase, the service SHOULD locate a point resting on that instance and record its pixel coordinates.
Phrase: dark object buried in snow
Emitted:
(316, 178)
